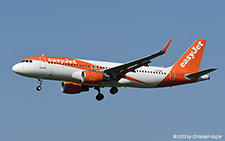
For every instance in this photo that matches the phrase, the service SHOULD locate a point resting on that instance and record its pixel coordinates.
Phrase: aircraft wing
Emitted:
(119, 71)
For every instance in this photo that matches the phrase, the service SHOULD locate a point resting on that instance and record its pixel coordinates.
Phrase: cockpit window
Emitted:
(27, 61)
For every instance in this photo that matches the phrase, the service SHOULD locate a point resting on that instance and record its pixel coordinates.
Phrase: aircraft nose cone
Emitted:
(15, 68)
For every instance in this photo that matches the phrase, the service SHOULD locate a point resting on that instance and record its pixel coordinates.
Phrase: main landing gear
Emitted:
(113, 90)
(100, 96)
(38, 88)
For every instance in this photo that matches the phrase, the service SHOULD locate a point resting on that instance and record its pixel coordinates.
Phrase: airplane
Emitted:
(79, 75)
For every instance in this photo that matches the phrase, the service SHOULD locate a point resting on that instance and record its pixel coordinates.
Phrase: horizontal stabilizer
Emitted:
(201, 73)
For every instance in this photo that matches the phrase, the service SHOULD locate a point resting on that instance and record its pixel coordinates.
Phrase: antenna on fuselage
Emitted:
(43, 55)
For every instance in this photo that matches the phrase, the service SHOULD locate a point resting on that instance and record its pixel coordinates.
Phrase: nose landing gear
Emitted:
(38, 88)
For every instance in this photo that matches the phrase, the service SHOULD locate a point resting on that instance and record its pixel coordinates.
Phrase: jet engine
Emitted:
(72, 88)
(91, 77)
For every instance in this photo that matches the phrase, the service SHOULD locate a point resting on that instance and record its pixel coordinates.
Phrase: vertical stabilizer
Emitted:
(191, 59)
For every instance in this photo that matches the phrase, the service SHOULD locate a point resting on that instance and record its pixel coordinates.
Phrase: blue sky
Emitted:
(118, 31)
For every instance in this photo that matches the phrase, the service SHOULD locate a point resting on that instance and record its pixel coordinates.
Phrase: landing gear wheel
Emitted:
(99, 97)
(38, 88)
(113, 90)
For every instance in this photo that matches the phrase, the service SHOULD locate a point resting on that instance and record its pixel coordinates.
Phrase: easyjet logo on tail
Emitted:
(191, 55)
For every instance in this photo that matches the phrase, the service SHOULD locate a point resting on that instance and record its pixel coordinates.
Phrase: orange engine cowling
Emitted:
(92, 77)
(73, 88)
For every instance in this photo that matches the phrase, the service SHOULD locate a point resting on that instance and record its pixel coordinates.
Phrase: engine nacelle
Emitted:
(73, 88)
(91, 77)
(203, 77)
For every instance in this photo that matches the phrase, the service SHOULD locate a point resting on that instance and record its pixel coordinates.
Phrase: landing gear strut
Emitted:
(38, 88)
(113, 90)
(99, 96)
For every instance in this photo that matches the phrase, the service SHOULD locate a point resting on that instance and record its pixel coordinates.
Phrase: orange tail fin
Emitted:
(191, 59)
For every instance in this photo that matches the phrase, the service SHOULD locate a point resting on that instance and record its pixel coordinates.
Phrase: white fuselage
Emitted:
(143, 77)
